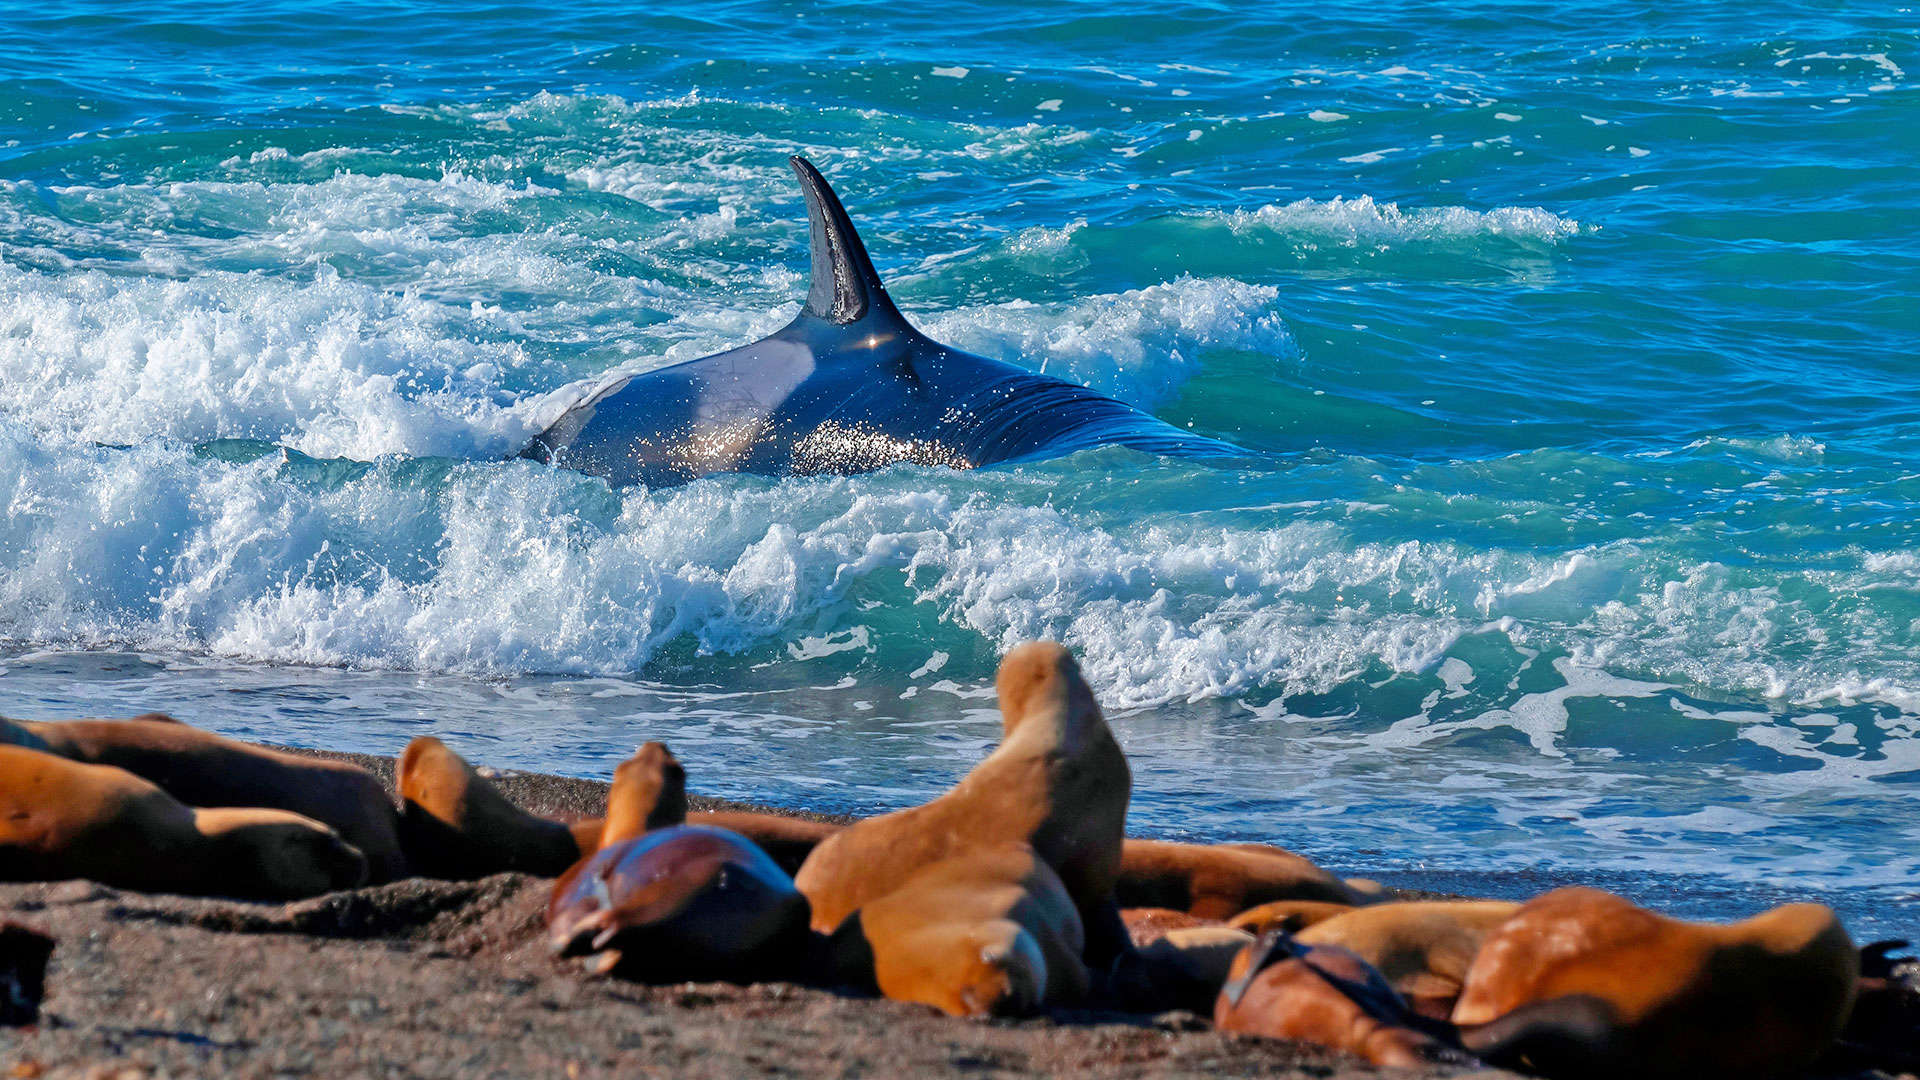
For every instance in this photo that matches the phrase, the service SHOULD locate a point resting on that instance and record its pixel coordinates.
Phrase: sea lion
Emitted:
(1328, 996)
(200, 768)
(66, 819)
(1058, 781)
(1883, 1031)
(1582, 983)
(1219, 881)
(1423, 949)
(649, 792)
(1186, 966)
(458, 826)
(683, 902)
(991, 932)
(1292, 916)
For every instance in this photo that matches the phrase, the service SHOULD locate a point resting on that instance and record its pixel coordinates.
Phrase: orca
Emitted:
(848, 386)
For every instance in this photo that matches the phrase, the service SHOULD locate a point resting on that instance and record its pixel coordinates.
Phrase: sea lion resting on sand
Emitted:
(1325, 995)
(65, 819)
(1058, 782)
(991, 932)
(663, 901)
(200, 768)
(1423, 949)
(1292, 916)
(1219, 881)
(1582, 983)
(457, 825)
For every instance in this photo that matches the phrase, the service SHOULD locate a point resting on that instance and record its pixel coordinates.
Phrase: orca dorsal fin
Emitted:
(845, 286)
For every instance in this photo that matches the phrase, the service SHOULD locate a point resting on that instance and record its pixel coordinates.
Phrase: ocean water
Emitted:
(1579, 341)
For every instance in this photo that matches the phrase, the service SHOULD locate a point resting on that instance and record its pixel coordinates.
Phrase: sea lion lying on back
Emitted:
(1582, 983)
(664, 902)
(1058, 782)
(200, 768)
(63, 819)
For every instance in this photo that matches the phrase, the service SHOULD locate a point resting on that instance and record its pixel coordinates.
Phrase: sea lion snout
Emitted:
(290, 856)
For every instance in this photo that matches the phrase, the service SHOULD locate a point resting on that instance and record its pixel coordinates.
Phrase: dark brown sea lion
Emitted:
(1582, 983)
(684, 902)
(1185, 967)
(1423, 949)
(1058, 782)
(66, 819)
(1325, 995)
(1219, 881)
(458, 826)
(200, 768)
(991, 932)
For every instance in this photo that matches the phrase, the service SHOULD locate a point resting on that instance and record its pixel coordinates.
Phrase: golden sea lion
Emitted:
(457, 825)
(200, 768)
(1583, 983)
(1219, 881)
(66, 819)
(1324, 995)
(991, 932)
(1292, 916)
(683, 902)
(1058, 781)
(649, 792)
(1423, 949)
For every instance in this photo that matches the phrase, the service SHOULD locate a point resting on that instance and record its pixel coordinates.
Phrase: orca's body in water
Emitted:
(848, 386)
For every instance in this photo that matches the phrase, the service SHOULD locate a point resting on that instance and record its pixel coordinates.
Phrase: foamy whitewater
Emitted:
(1577, 344)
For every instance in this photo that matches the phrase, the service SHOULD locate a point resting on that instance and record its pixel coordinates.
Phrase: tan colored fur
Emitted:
(64, 819)
(1057, 781)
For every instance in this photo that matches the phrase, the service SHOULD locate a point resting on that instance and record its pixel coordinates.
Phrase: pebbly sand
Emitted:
(427, 979)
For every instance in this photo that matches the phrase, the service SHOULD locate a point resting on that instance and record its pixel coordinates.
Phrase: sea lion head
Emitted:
(1009, 977)
(279, 855)
(1042, 677)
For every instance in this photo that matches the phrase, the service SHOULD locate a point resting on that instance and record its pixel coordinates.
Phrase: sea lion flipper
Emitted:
(1571, 1035)
(845, 286)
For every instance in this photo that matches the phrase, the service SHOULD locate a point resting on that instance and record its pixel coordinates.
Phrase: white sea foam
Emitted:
(325, 366)
(495, 569)
(1139, 346)
(1362, 220)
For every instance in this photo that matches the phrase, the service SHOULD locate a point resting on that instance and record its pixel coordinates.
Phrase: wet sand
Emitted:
(428, 979)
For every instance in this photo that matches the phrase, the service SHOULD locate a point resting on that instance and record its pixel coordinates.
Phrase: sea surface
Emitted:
(1578, 341)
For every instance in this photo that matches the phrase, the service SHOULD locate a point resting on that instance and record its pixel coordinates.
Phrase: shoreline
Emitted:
(427, 978)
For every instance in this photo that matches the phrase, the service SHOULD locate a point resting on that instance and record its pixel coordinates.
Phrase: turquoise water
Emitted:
(1580, 339)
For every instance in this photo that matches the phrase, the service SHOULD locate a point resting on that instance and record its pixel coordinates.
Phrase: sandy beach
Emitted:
(427, 978)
